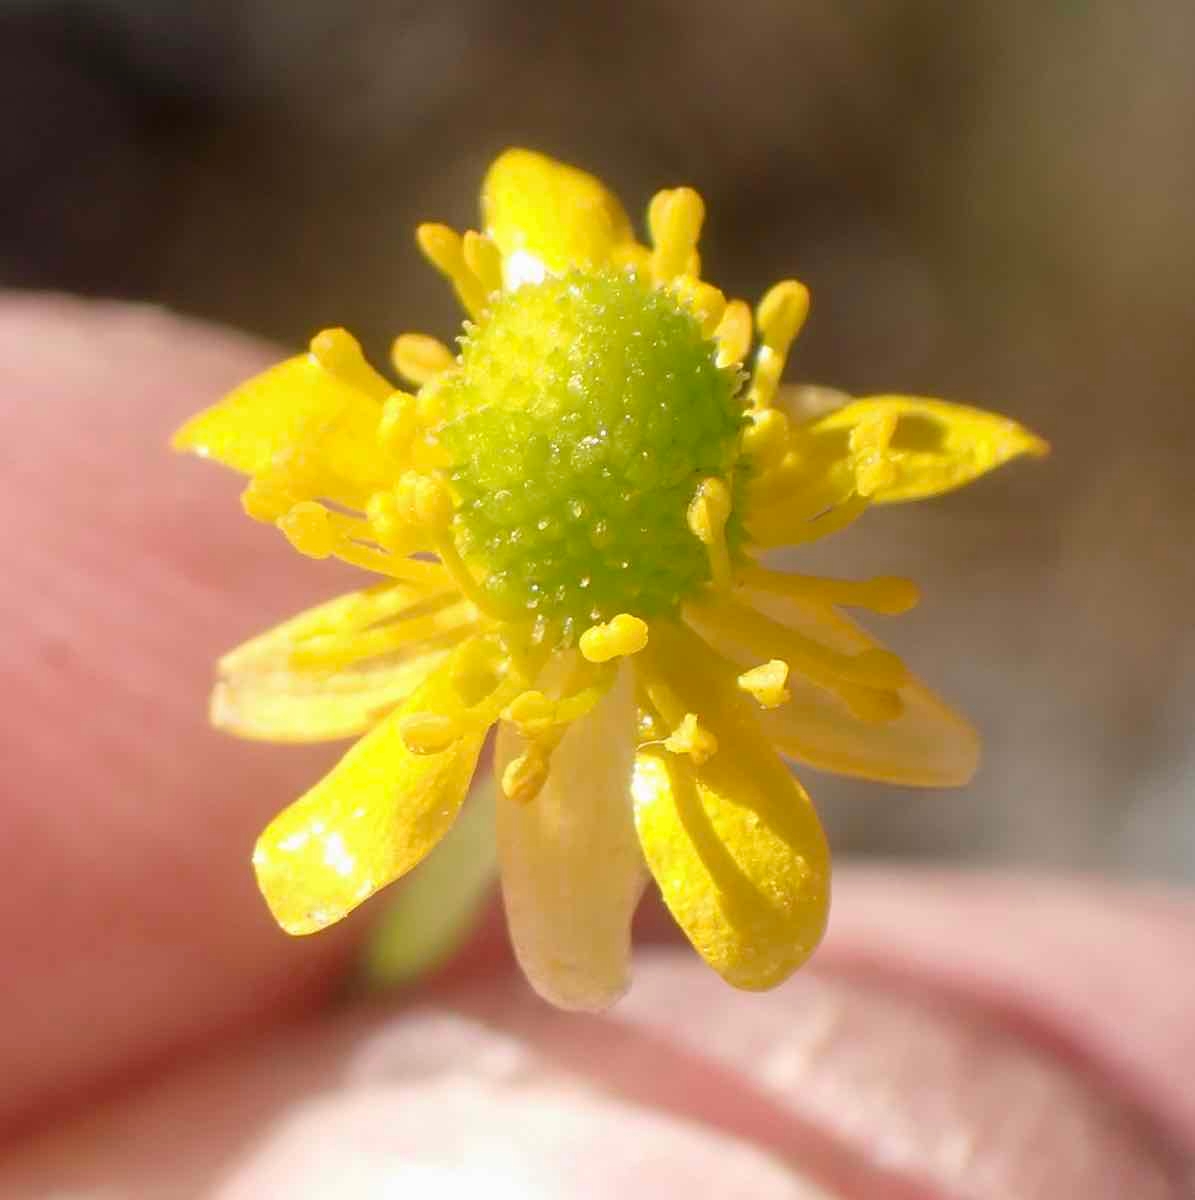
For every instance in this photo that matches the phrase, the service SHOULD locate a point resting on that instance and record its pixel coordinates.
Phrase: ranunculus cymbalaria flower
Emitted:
(566, 518)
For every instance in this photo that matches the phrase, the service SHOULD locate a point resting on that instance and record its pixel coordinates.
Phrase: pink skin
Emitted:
(958, 1035)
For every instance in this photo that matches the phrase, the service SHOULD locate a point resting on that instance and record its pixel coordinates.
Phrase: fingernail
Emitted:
(913, 1088)
(443, 1106)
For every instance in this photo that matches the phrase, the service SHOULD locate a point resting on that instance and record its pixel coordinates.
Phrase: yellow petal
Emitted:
(546, 216)
(296, 417)
(734, 844)
(379, 810)
(285, 705)
(928, 745)
(572, 872)
(262, 695)
(805, 402)
(936, 446)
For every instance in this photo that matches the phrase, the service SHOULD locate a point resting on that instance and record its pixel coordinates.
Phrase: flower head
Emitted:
(566, 516)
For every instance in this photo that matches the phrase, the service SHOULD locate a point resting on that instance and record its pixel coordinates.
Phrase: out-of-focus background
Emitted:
(991, 202)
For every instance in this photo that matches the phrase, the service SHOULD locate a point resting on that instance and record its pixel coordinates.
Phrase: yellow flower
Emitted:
(566, 516)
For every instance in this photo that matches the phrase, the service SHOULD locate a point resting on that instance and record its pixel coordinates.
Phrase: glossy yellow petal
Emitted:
(572, 872)
(734, 843)
(935, 447)
(379, 811)
(300, 420)
(927, 745)
(546, 217)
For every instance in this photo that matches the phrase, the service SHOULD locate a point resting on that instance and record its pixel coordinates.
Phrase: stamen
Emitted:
(766, 683)
(333, 651)
(703, 300)
(308, 527)
(780, 316)
(419, 358)
(412, 570)
(734, 333)
(765, 438)
(708, 513)
(443, 248)
(623, 636)
(531, 712)
(865, 682)
(525, 776)
(427, 733)
(339, 353)
(690, 738)
(887, 594)
(399, 424)
(266, 498)
(484, 259)
(674, 218)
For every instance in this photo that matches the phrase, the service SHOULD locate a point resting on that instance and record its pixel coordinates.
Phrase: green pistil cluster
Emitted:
(586, 412)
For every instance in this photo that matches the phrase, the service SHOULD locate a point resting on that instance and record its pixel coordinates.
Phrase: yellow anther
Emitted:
(780, 316)
(266, 499)
(443, 248)
(767, 683)
(734, 333)
(532, 713)
(389, 527)
(399, 423)
(424, 501)
(674, 218)
(418, 357)
(709, 510)
(427, 733)
(484, 259)
(765, 438)
(707, 515)
(690, 738)
(308, 527)
(622, 636)
(525, 776)
(703, 300)
(339, 353)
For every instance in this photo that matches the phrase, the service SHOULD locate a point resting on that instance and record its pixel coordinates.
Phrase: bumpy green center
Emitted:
(586, 412)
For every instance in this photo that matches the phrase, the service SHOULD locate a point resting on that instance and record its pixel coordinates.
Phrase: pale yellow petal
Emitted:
(378, 812)
(804, 402)
(265, 693)
(286, 705)
(547, 217)
(296, 418)
(927, 745)
(572, 871)
(936, 446)
(734, 843)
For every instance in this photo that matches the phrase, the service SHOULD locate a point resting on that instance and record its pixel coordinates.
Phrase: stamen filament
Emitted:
(708, 513)
(780, 316)
(443, 248)
(338, 650)
(887, 594)
(733, 334)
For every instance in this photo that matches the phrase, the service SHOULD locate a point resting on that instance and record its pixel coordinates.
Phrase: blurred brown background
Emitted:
(992, 202)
